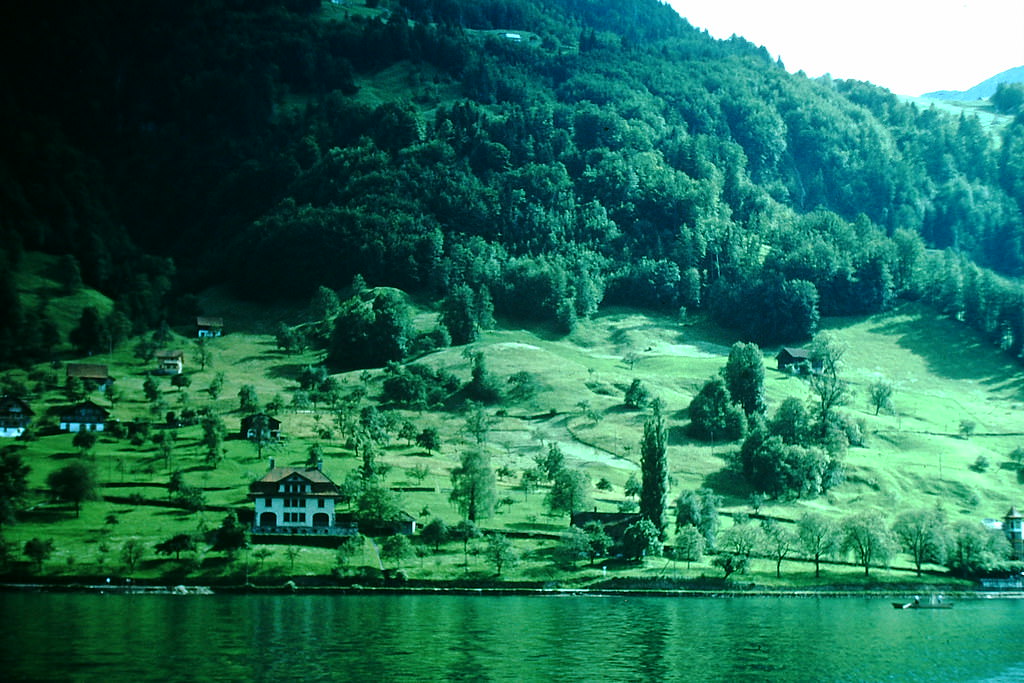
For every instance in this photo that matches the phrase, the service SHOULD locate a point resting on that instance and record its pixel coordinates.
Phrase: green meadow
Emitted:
(920, 455)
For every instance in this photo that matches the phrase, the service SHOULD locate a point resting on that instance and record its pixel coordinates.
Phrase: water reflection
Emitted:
(473, 638)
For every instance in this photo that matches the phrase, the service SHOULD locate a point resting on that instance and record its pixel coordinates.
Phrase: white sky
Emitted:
(908, 46)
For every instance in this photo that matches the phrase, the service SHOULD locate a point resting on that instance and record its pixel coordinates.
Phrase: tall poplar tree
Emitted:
(654, 468)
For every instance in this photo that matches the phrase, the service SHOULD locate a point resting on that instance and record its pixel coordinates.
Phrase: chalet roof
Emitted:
(1014, 513)
(272, 422)
(279, 474)
(87, 371)
(86, 408)
(209, 321)
(170, 354)
(797, 353)
(13, 404)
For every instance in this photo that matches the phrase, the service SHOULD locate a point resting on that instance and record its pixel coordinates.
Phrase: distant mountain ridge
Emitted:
(983, 90)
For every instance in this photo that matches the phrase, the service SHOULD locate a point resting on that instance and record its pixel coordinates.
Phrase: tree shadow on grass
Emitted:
(730, 485)
(954, 351)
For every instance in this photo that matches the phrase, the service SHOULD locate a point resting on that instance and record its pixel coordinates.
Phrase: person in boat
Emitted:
(917, 600)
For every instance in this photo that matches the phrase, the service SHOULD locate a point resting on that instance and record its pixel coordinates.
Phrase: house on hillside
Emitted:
(170, 362)
(797, 361)
(92, 375)
(260, 425)
(290, 500)
(207, 326)
(15, 415)
(84, 417)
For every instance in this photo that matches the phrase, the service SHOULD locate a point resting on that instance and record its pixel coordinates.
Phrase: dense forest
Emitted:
(515, 158)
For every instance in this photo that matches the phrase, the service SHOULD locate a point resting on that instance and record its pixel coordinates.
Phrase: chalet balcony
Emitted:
(346, 530)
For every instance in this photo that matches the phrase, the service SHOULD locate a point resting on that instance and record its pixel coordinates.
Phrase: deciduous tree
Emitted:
(474, 487)
(74, 483)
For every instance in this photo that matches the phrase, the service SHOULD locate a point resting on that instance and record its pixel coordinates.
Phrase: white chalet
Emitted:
(289, 500)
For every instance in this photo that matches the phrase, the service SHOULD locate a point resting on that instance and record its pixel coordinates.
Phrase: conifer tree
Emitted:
(654, 468)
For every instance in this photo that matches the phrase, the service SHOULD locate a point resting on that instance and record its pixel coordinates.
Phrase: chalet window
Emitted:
(269, 502)
(302, 517)
(321, 502)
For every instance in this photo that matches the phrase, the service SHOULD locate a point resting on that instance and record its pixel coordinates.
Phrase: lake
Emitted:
(302, 637)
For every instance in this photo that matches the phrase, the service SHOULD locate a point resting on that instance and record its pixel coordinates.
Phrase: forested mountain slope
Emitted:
(532, 158)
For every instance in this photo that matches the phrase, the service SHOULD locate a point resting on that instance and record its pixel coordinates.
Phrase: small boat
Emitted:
(922, 605)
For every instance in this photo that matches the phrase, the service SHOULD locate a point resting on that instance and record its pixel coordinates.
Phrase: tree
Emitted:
(202, 354)
(636, 394)
(689, 544)
(779, 541)
(214, 432)
(500, 552)
(744, 377)
(84, 441)
(324, 305)
(435, 533)
(922, 534)
(742, 538)
(827, 353)
(866, 536)
(973, 548)
(176, 544)
(818, 537)
(429, 439)
(248, 401)
(13, 484)
(396, 548)
(181, 381)
(230, 536)
(632, 488)
(731, 563)
(573, 545)
(74, 483)
(552, 462)
(465, 531)
(654, 468)
(570, 492)
(713, 414)
(216, 386)
(478, 424)
(132, 552)
(880, 394)
(39, 551)
(474, 487)
(791, 422)
(700, 509)
(151, 389)
(598, 541)
(640, 539)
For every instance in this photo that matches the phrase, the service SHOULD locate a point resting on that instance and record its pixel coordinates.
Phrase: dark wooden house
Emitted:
(15, 416)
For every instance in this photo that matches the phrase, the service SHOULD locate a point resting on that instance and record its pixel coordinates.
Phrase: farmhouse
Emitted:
(170, 362)
(797, 361)
(84, 417)
(15, 415)
(297, 501)
(209, 327)
(261, 426)
(91, 374)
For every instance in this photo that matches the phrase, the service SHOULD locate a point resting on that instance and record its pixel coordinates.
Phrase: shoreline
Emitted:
(290, 588)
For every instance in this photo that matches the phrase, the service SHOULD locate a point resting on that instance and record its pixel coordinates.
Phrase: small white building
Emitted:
(289, 500)
(170, 362)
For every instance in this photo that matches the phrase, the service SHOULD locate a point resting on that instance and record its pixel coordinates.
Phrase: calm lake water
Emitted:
(86, 637)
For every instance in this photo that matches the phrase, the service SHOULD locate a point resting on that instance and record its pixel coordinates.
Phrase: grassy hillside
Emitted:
(917, 457)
